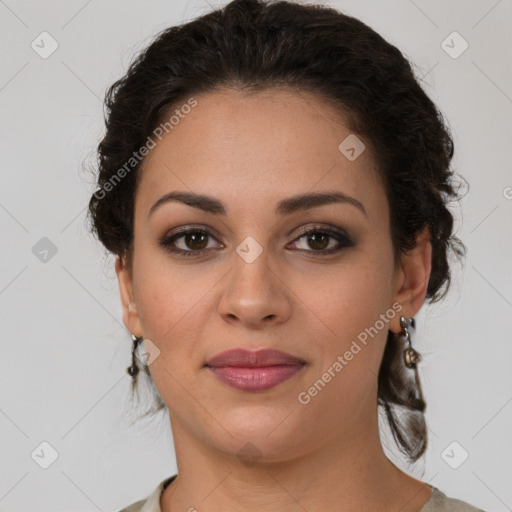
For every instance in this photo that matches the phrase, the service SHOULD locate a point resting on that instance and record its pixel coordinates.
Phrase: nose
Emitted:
(254, 296)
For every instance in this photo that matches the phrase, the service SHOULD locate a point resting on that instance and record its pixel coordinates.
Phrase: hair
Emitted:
(256, 45)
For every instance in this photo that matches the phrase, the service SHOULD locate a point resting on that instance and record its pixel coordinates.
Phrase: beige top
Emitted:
(438, 502)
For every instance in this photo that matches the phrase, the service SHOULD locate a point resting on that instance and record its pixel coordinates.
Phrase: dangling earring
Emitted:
(411, 358)
(133, 370)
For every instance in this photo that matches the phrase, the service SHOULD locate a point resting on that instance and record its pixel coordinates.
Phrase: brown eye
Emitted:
(195, 240)
(318, 241)
(187, 242)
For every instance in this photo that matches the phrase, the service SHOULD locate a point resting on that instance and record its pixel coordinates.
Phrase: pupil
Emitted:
(314, 237)
(193, 237)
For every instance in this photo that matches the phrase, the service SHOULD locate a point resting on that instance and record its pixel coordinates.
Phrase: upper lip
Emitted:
(253, 359)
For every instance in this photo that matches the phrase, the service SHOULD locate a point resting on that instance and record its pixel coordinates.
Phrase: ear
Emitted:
(411, 281)
(130, 316)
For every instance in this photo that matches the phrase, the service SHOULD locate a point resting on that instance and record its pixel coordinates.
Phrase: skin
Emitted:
(250, 152)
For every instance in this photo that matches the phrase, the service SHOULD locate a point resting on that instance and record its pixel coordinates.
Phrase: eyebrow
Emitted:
(287, 206)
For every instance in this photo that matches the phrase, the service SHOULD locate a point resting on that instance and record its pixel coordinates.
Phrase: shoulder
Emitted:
(134, 507)
(439, 502)
(152, 502)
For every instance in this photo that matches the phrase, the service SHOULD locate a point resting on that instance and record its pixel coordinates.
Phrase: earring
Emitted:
(411, 358)
(133, 370)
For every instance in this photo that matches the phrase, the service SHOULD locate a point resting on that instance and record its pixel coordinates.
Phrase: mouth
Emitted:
(263, 358)
(254, 370)
(256, 378)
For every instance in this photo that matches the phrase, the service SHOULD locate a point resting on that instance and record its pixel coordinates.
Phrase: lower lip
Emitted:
(255, 379)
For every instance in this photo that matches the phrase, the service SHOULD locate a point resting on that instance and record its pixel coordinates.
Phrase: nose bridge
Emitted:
(250, 278)
(253, 292)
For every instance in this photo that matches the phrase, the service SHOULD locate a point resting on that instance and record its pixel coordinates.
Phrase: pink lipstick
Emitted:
(254, 370)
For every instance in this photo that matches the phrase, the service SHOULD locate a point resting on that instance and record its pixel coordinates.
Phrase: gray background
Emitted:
(64, 347)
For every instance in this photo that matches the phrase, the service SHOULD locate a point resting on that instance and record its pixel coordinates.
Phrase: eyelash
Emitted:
(343, 239)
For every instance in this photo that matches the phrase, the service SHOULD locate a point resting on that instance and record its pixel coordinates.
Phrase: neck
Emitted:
(351, 473)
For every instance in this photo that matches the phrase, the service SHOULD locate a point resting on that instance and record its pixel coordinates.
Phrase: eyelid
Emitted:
(302, 231)
(343, 239)
(323, 228)
(192, 227)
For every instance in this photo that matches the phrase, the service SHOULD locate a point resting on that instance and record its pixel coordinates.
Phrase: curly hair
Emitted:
(253, 45)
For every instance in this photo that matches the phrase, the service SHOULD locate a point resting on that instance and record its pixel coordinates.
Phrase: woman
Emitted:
(274, 184)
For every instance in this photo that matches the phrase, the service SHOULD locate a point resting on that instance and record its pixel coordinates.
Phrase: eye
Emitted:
(193, 241)
(318, 238)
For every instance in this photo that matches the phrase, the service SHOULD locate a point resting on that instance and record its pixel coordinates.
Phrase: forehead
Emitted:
(258, 147)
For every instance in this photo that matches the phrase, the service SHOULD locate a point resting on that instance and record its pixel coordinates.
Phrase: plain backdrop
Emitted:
(64, 349)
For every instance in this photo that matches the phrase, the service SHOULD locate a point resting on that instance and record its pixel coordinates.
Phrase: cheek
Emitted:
(349, 338)
(345, 307)
(174, 302)
(165, 300)
(170, 304)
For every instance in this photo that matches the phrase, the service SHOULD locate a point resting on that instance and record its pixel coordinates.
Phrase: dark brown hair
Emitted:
(253, 45)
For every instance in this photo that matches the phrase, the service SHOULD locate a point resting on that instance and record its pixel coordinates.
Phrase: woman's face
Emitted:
(256, 281)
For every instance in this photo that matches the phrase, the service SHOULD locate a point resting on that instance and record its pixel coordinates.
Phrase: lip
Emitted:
(241, 357)
(254, 370)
